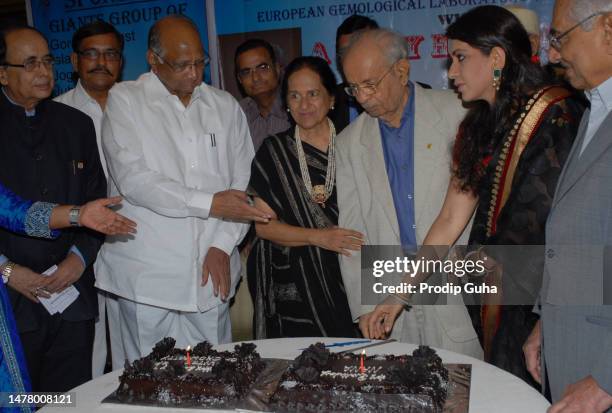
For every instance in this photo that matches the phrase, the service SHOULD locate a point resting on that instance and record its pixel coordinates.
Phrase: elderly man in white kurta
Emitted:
(179, 152)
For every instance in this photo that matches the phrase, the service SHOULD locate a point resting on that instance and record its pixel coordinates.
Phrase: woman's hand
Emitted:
(97, 216)
(337, 239)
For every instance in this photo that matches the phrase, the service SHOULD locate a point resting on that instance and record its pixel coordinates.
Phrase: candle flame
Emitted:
(188, 348)
(363, 352)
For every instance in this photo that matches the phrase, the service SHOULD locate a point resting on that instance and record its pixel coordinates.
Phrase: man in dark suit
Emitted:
(48, 153)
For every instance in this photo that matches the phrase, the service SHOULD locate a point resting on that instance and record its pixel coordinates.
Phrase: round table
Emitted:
(492, 389)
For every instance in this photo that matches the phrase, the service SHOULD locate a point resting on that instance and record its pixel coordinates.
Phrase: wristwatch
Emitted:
(6, 271)
(73, 216)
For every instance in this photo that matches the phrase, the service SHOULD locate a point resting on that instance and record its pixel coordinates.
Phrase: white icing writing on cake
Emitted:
(372, 373)
(198, 364)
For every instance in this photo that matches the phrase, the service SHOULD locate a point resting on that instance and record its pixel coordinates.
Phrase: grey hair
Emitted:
(580, 10)
(154, 38)
(393, 44)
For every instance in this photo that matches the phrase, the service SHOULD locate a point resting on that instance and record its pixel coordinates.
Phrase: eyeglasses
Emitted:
(369, 88)
(182, 67)
(260, 69)
(33, 63)
(111, 55)
(555, 39)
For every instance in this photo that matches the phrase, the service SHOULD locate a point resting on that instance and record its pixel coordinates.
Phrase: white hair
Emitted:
(581, 9)
(393, 44)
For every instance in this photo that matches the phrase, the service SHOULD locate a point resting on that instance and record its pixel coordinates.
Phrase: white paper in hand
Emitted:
(58, 302)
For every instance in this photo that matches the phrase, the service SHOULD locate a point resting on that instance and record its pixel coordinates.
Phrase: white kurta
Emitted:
(79, 99)
(167, 161)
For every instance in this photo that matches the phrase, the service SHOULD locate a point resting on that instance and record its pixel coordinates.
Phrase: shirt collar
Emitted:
(602, 94)
(28, 113)
(276, 110)
(277, 107)
(408, 109)
(156, 90)
(81, 95)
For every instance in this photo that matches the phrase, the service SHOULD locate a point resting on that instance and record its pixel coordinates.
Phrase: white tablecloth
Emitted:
(492, 390)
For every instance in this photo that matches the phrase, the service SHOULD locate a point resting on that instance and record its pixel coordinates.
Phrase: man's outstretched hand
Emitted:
(235, 205)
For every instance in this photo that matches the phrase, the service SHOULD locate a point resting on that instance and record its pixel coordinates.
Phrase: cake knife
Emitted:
(379, 343)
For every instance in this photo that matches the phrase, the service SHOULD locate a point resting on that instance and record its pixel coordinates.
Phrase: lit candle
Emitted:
(361, 362)
(188, 356)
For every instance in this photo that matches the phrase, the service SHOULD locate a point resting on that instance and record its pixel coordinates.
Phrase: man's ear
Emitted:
(74, 59)
(152, 60)
(3, 76)
(402, 67)
(607, 25)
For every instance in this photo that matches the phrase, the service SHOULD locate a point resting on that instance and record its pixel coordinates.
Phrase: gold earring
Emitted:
(497, 74)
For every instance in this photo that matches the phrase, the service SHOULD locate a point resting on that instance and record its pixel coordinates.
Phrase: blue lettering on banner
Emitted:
(290, 14)
(422, 22)
(58, 20)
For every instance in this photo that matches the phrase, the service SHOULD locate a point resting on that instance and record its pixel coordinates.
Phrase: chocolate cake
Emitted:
(319, 380)
(204, 377)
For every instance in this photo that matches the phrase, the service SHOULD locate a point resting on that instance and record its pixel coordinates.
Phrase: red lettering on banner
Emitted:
(320, 51)
(439, 46)
(414, 42)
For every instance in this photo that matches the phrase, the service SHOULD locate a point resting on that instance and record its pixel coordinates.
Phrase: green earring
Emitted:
(497, 78)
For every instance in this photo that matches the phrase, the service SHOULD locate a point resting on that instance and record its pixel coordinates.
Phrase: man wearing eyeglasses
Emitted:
(392, 174)
(48, 153)
(258, 73)
(571, 344)
(96, 58)
(179, 152)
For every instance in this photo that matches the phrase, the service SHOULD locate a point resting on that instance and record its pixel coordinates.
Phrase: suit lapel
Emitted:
(579, 164)
(426, 122)
(376, 172)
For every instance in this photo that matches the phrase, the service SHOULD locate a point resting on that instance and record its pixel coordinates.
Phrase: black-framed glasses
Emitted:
(369, 88)
(555, 39)
(33, 63)
(260, 69)
(182, 67)
(112, 55)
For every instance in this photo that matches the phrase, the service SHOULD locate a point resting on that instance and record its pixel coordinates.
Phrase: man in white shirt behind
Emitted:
(179, 152)
(96, 57)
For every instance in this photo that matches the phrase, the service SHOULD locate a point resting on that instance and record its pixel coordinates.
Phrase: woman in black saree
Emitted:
(293, 270)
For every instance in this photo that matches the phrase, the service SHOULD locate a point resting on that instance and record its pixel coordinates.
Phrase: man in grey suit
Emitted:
(393, 169)
(574, 335)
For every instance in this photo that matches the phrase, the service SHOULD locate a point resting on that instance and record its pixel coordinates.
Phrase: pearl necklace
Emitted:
(320, 193)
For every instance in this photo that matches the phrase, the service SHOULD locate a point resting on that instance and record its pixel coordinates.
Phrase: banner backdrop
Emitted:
(423, 22)
(59, 19)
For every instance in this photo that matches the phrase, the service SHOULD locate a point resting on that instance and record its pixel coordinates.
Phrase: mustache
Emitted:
(100, 69)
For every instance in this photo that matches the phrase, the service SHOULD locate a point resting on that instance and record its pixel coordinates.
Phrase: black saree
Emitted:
(296, 291)
(521, 221)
